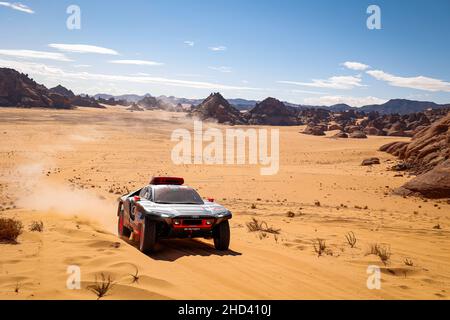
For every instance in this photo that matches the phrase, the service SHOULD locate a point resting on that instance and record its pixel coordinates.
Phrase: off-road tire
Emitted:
(147, 240)
(221, 235)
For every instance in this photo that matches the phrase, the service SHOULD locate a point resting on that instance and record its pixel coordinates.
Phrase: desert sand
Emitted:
(67, 168)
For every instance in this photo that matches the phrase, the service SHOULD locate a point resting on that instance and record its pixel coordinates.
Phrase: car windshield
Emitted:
(176, 195)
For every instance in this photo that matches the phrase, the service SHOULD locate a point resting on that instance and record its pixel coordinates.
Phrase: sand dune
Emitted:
(67, 168)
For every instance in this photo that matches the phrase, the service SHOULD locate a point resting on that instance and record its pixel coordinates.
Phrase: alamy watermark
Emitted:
(374, 20)
(228, 147)
(374, 279)
(73, 21)
(73, 281)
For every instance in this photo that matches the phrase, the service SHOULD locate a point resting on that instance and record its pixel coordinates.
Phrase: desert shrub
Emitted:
(255, 226)
(408, 262)
(262, 235)
(102, 287)
(135, 276)
(37, 226)
(10, 230)
(382, 251)
(351, 239)
(320, 247)
(373, 249)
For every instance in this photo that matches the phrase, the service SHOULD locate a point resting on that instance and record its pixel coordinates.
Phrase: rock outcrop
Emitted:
(85, 101)
(428, 148)
(272, 112)
(217, 108)
(314, 130)
(428, 156)
(59, 89)
(358, 135)
(341, 135)
(370, 162)
(18, 90)
(433, 184)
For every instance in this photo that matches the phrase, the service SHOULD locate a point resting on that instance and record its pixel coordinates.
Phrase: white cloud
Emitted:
(189, 75)
(189, 43)
(351, 101)
(221, 69)
(219, 48)
(57, 73)
(30, 54)
(82, 48)
(337, 82)
(82, 65)
(307, 91)
(420, 82)
(137, 62)
(358, 66)
(17, 6)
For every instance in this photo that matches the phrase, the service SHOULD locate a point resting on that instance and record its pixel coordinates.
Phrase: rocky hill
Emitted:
(272, 112)
(18, 90)
(217, 108)
(59, 89)
(428, 154)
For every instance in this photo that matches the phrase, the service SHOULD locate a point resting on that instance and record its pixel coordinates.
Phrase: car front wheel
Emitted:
(222, 236)
(147, 240)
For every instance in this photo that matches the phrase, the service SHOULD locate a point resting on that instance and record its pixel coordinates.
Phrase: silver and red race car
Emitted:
(167, 209)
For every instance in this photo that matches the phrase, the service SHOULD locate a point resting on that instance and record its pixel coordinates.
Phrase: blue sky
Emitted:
(308, 52)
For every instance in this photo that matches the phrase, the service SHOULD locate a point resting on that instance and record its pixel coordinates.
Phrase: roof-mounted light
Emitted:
(167, 181)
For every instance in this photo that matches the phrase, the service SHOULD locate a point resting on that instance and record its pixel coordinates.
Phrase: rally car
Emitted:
(166, 209)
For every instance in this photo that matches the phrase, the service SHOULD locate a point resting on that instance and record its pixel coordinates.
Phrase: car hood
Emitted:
(174, 210)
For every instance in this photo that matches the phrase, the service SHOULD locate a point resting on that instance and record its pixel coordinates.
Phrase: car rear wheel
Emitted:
(222, 236)
(147, 241)
(121, 229)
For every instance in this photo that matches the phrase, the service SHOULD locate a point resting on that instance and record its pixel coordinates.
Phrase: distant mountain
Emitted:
(183, 101)
(400, 106)
(17, 89)
(341, 107)
(403, 106)
(243, 104)
(125, 97)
